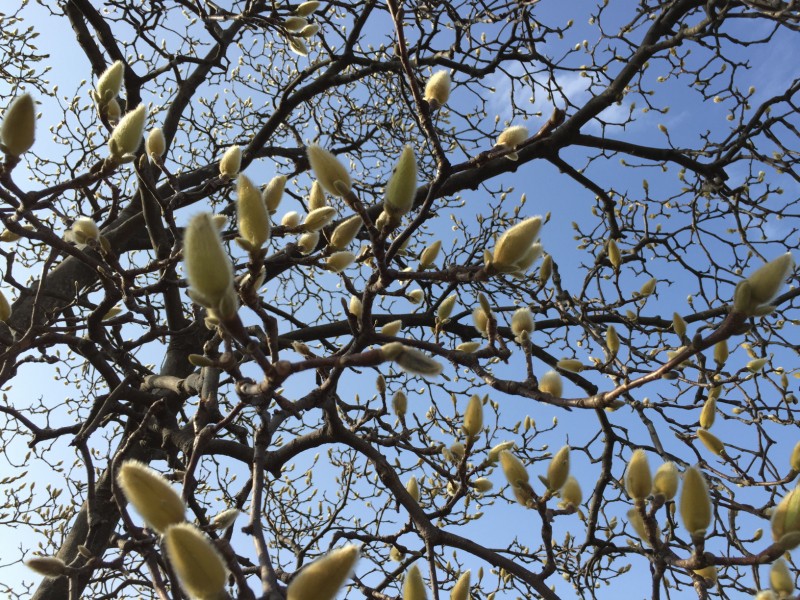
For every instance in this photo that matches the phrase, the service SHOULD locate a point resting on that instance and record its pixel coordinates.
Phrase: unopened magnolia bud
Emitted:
(460, 590)
(294, 23)
(468, 347)
(331, 174)
(231, 162)
(648, 287)
(513, 136)
(396, 554)
(522, 322)
(635, 519)
(49, 566)
(273, 192)
(665, 482)
(612, 341)
(558, 470)
(399, 403)
(309, 30)
(494, 453)
(323, 578)
(308, 242)
(428, 256)
(83, 231)
(253, 220)
(638, 481)
(766, 281)
(546, 270)
(19, 126)
(473, 417)
(708, 573)
(754, 366)
(415, 296)
(515, 243)
(551, 383)
(437, 90)
(513, 468)
(355, 307)
(786, 519)
(415, 362)
(571, 493)
(695, 504)
(412, 487)
(721, 352)
(345, 232)
(708, 414)
(482, 484)
(380, 384)
(151, 495)
(306, 8)
(298, 46)
(413, 586)
(614, 256)
(208, 267)
(402, 186)
(225, 519)
(339, 261)
(319, 218)
(316, 198)
(110, 82)
(571, 364)
(794, 460)
(197, 563)
(446, 308)
(156, 143)
(742, 301)
(392, 328)
(127, 135)
(5, 308)
(480, 320)
(765, 595)
(113, 111)
(780, 579)
(678, 324)
(291, 219)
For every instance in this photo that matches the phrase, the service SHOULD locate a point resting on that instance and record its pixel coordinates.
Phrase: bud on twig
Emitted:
(49, 566)
(473, 417)
(665, 483)
(273, 192)
(638, 482)
(18, 131)
(197, 563)
(437, 90)
(402, 186)
(156, 144)
(253, 220)
(231, 162)
(558, 470)
(323, 578)
(414, 586)
(695, 504)
(515, 243)
(460, 590)
(551, 383)
(151, 495)
(110, 83)
(345, 232)
(127, 135)
(208, 268)
(330, 173)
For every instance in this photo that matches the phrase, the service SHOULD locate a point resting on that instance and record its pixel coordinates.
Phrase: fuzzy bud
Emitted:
(482, 485)
(414, 586)
(156, 143)
(695, 504)
(468, 347)
(571, 493)
(460, 590)
(323, 578)
(416, 296)
(339, 261)
(512, 136)
(208, 267)
(399, 403)
(473, 417)
(412, 487)
(415, 362)
(291, 220)
(253, 220)
(786, 519)
(481, 320)
(273, 193)
(571, 364)
(437, 90)
(402, 186)
(392, 328)
(231, 162)
(294, 23)
(446, 308)
(316, 198)
(127, 135)
(331, 174)
(678, 324)
(614, 256)
(319, 218)
(83, 231)
(513, 468)
(558, 470)
(708, 413)
(638, 481)
(721, 352)
(110, 83)
(49, 566)
(428, 256)
(780, 579)
(522, 322)
(345, 232)
(512, 246)
(225, 519)
(494, 453)
(197, 563)
(648, 287)
(355, 307)
(551, 383)
(18, 130)
(612, 341)
(546, 270)
(755, 365)
(665, 482)
(766, 281)
(308, 242)
(306, 8)
(151, 495)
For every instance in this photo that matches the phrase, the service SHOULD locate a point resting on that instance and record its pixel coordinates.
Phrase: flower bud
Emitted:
(665, 483)
(460, 590)
(678, 324)
(323, 578)
(446, 308)
(755, 365)
(612, 341)
(766, 281)
(695, 505)
(113, 111)
(546, 270)
(331, 174)
(428, 256)
(635, 519)
(156, 143)
(306, 8)
(786, 518)
(273, 193)
(399, 403)
(473, 417)
(482, 485)
(83, 231)
(513, 468)
(345, 232)
(708, 573)
(416, 296)
(638, 481)
(208, 268)
(127, 135)
(513, 245)
(110, 83)
(530, 257)
(316, 198)
(437, 90)
(291, 219)
(522, 322)
(355, 307)
(294, 23)
(794, 461)
(5, 308)
(765, 595)
(402, 186)
(298, 46)
(19, 126)
(571, 493)
(721, 352)
(571, 364)
(309, 30)
(413, 586)
(319, 218)
(396, 555)
(412, 487)
(231, 162)
(415, 362)
(468, 347)
(339, 261)
(648, 287)
(558, 470)
(551, 383)
(480, 320)
(780, 579)
(253, 220)
(151, 495)
(392, 328)
(49, 566)
(512, 137)
(614, 256)
(197, 563)
(308, 242)
(708, 413)
(494, 453)
(225, 519)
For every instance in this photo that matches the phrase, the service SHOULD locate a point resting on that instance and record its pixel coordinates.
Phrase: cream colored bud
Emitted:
(412, 487)
(298, 46)
(460, 590)
(253, 220)
(5, 308)
(708, 573)
(273, 193)
(494, 453)
(665, 482)
(111, 313)
(339, 261)
(635, 519)
(151, 495)
(83, 231)
(197, 563)
(355, 307)
(446, 308)
(415, 362)
(742, 298)
(513, 245)
(49, 566)
(437, 90)
(291, 219)
(401, 188)
(767, 281)
(482, 485)
(558, 470)
(319, 218)
(614, 256)
(316, 198)
(551, 383)
(306, 8)
(754, 366)
(399, 403)
(721, 352)
(127, 135)
(225, 519)
(294, 23)
(18, 130)
(309, 30)
(156, 143)
(208, 267)
(678, 324)
(571, 493)
(638, 481)
(231, 162)
(695, 504)
(392, 328)
(308, 242)
(110, 82)
(780, 579)
(794, 460)
(345, 232)
(396, 555)
(522, 322)
(331, 174)
(765, 595)
(113, 111)
(786, 518)
(473, 417)
(513, 468)
(708, 414)
(648, 287)
(513, 136)
(480, 320)
(468, 347)
(416, 296)
(428, 256)
(322, 579)
(414, 586)
(546, 270)
(571, 364)
(612, 341)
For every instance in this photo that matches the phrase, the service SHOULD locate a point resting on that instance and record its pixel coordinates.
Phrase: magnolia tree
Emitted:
(399, 301)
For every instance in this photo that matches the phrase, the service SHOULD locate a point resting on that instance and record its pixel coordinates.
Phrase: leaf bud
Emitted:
(665, 482)
(231, 162)
(551, 383)
(473, 417)
(151, 495)
(18, 130)
(558, 470)
(638, 481)
(331, 174)
(402, 186)
(695, 504)
(437, 89)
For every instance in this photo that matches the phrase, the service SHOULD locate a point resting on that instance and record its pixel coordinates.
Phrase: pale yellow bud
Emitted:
(571, 364)
(638, 481)
(412, 487)
(414, 586)
(316, 198)
(678, 324)
(18, 130)
(110, 83)
(708, 573)
(473, 417)
(345, 232)
(708, 414)
(742, 298)
(231, 162)
(446, 308)
(396, 555)
(127, 135)
(525, 263)
(612, 341)
(402, 186)
(291, 219)
(151, 495)
(298, 46)
(273, 193)
(309, 30)
(514, 244)
(253, 220)
(392, 328)
(306, 8)
(794, 460)
(468, 347)
(480, 320)
(494, 453)
(319, 218)
(437, 90)
(331, 174)
(5, 308)
(648, 287)
(551, 383)
(156, 143)
(522, 322)
(766, 281)
(428, 256)
(225, 519)
(712, 442)
(558, 470)
(356, 307)
(113, 111)
(460, 590)
(415, 362)
(765, 595)
(721, 352)
(546, 270)
(415, 296)
(308, 242)
(339, 261)
(665, 482)
(695, 504)
(786, 519)
(513, 468)
(482, 484)
(399, 403)
(197, 563)
(513, 136)
(83, 231)
(49, 566)
(635, 519)
(571, 493)
(614, 256)
(294, 23)
(754, 366)
(780, 579)
(322, 579)
(208, 267)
